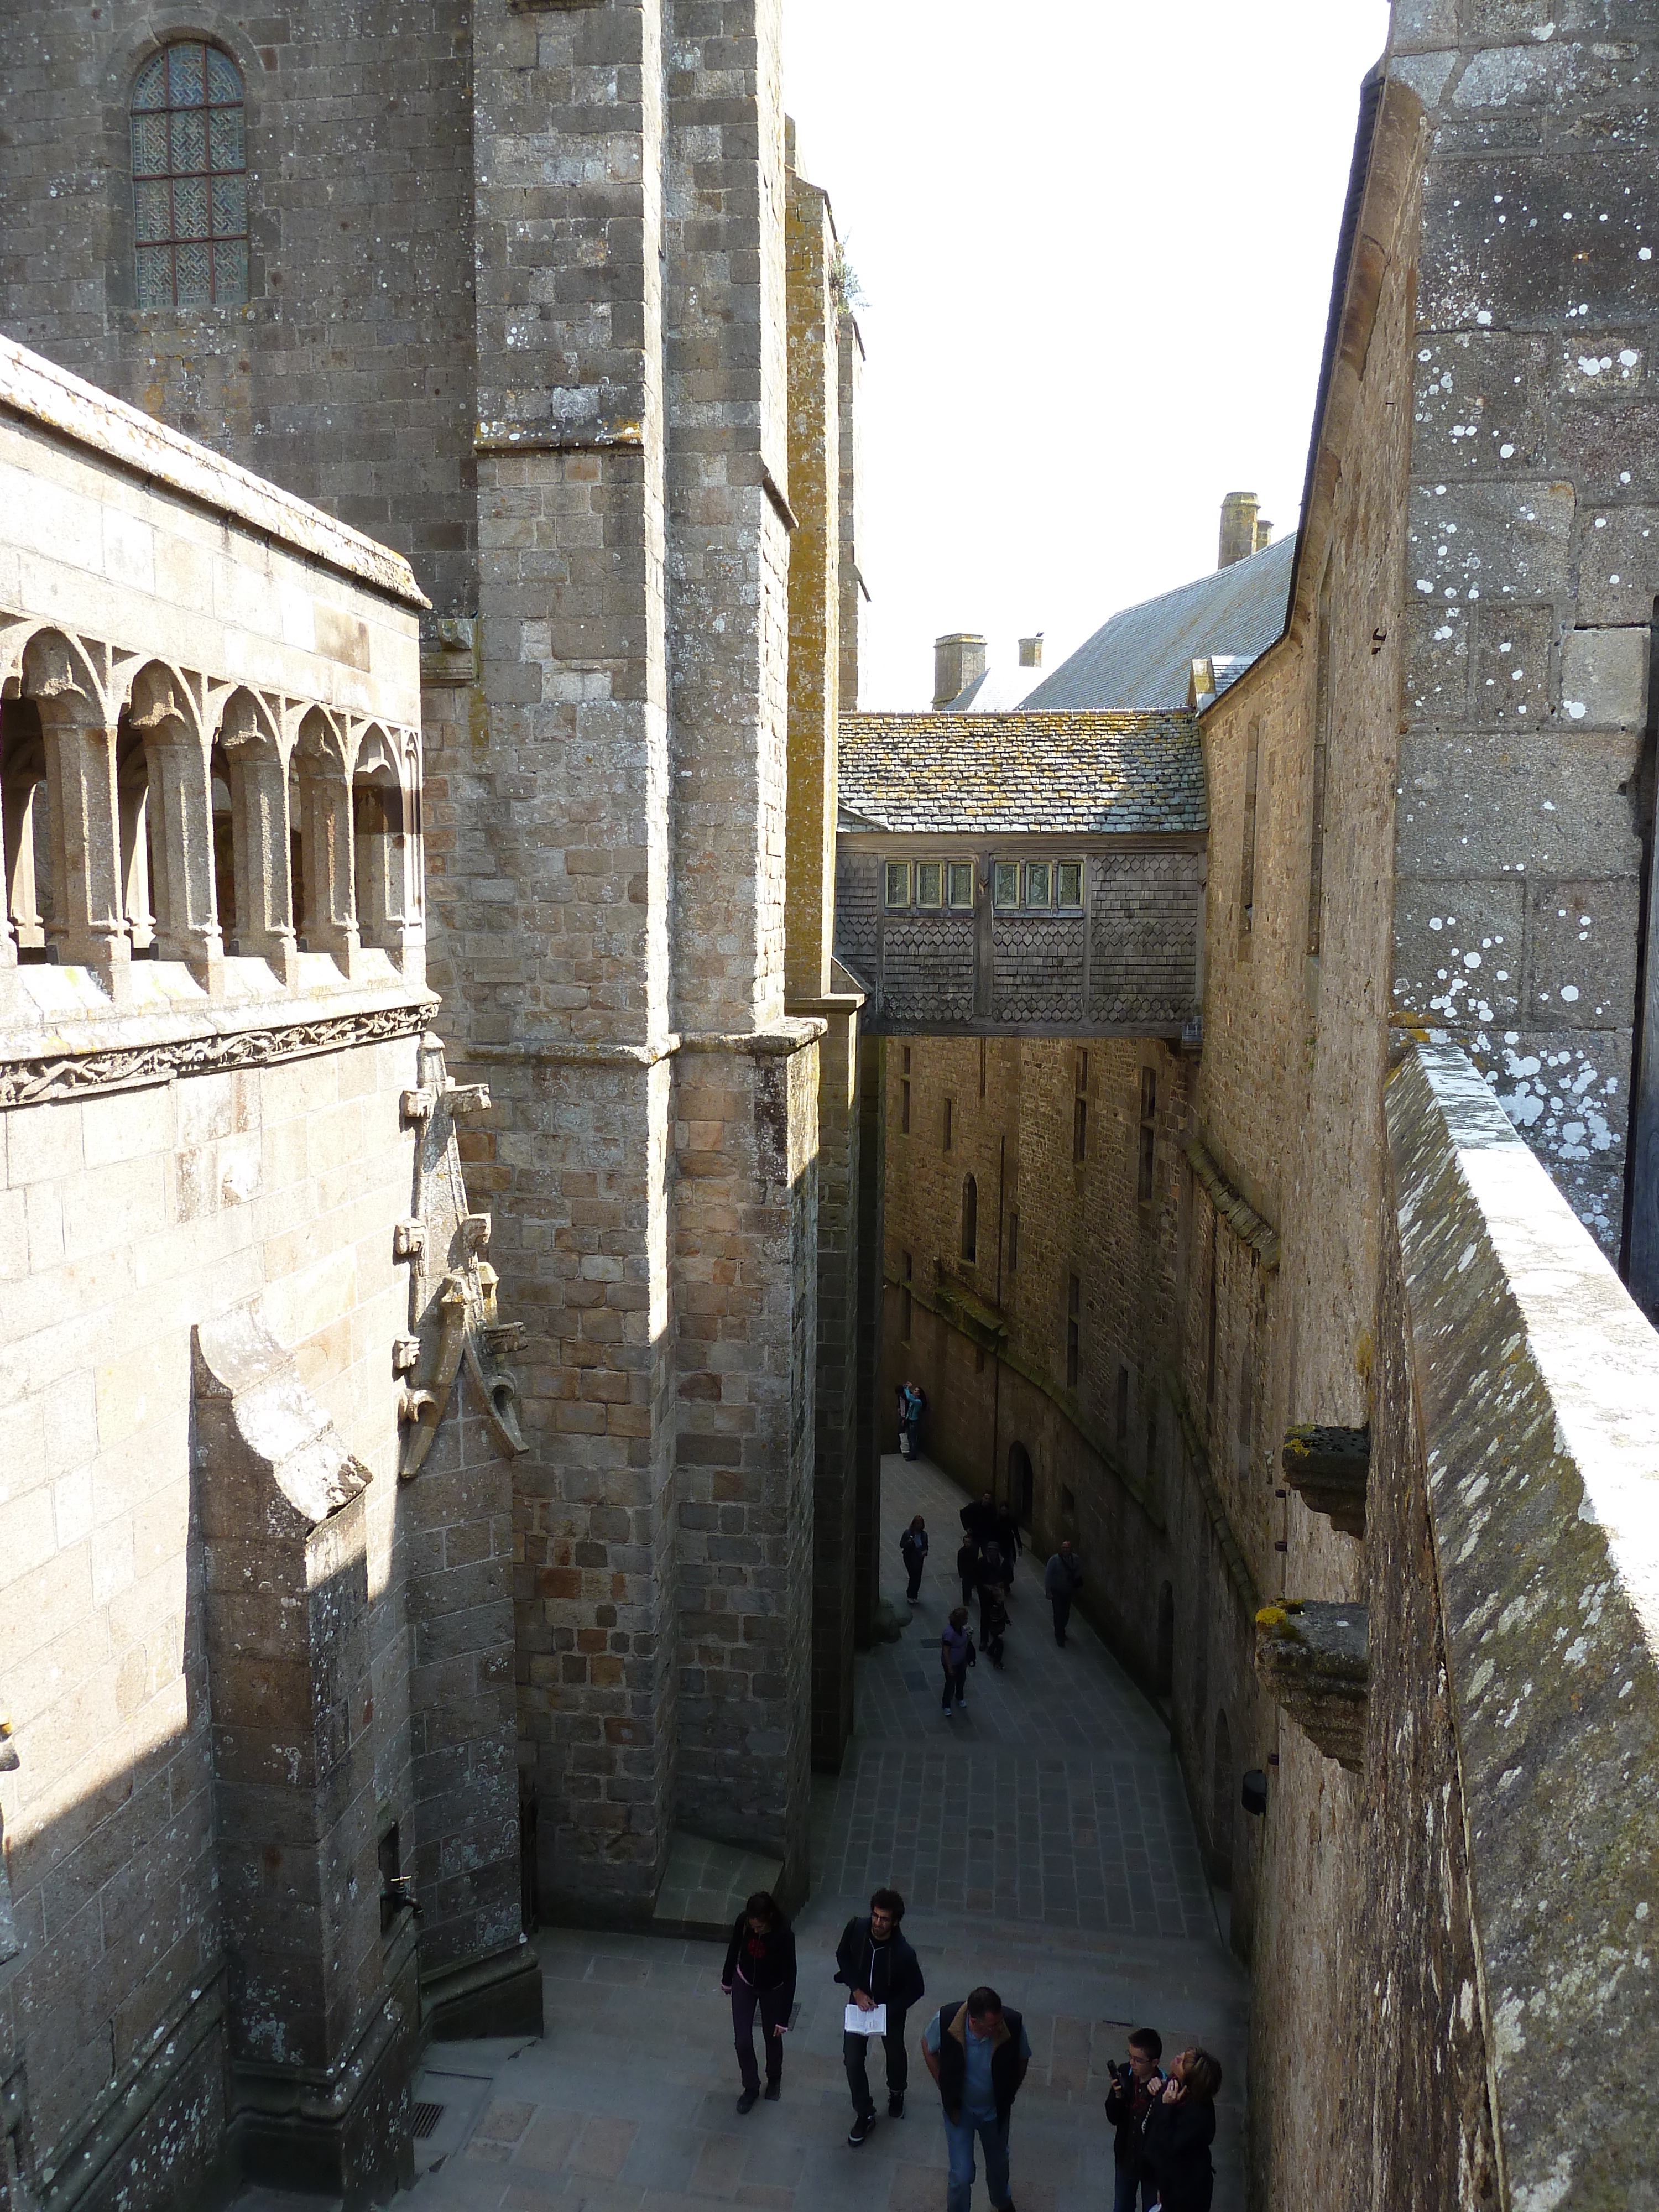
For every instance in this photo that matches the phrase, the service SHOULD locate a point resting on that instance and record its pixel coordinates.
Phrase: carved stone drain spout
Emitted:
(1314, 1659)
(453, 1320)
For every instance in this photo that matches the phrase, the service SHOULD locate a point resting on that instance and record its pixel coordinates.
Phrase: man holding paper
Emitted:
(873, 1961)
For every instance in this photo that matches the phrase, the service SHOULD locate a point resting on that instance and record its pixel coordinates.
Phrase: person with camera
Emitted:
(1135, 2088)
(873, 1961)
(1179, 2128)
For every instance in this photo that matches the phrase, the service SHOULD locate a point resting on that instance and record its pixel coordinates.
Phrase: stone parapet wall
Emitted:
(1525, 1433)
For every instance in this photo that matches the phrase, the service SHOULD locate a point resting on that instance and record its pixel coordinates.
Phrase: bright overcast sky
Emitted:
(1096, 244)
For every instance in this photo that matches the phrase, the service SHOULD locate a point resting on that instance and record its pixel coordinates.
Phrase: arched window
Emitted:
(189, 179)
(970, 1219)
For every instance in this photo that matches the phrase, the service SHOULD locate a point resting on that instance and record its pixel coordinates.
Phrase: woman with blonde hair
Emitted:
(1178, 2130)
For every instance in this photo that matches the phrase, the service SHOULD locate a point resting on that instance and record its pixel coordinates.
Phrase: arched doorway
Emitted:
(1022, 1485)
(1221, 1807)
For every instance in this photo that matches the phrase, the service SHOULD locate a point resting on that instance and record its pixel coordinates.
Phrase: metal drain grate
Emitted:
(423, 2119)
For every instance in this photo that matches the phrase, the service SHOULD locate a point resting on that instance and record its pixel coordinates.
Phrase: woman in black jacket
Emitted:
(760, 1971)
(1178, 2132)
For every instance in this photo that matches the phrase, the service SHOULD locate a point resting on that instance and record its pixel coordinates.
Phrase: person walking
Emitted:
(1061, 1579)
(978, 2053)
(873, 1961)
(967, 1568)
(956, 1655)
(913, 1550)
(1179, 2128)
(1135, 2088)
(759, 1975)
(978, 1517)
(993, 1573)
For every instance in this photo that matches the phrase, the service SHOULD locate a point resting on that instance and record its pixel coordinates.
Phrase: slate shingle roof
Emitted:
(1143, 657)
(1022, 773)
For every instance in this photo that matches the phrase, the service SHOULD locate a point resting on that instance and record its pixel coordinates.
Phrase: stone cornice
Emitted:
(131, 1059)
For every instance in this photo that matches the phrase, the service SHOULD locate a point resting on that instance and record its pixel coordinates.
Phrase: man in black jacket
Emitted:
(879, 1967)
(979, 2055)
(1135, 2088)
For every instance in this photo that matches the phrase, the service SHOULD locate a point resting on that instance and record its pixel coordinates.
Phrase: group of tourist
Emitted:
(978, 2053)
(990, 1546)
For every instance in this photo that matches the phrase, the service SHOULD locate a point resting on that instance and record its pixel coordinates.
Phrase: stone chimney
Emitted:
(1264, 535)
(957, 660)
(1030, 651)
(1238, 537)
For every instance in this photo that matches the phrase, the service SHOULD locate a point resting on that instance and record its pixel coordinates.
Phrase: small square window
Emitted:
(1005, 883)
(930, 877)
(961, 883)
(1039, 883)
(1069, 884)
(898, 883)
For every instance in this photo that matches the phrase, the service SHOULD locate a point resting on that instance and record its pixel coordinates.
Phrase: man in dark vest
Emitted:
(878, 1967)
(978, 2054)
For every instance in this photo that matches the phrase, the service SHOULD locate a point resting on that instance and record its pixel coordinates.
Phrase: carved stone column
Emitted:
(86, 926)
(259, 841)
(182, 889)
(329, 920)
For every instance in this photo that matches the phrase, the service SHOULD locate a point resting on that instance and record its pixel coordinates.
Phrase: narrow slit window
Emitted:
(1013, 1240)
(189, 179)
(970, 1219)
(1122, 1429)
(1080, 1111)
(949, 1128)
(1073, 1330)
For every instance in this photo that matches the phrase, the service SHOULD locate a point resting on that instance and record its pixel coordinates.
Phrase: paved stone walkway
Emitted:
(1042, 1842)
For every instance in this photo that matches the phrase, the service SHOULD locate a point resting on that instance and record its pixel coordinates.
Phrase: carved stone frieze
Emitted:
(451, 1287)
(34, 1080)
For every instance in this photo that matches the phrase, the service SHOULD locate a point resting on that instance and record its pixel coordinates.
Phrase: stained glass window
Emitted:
(189, 179)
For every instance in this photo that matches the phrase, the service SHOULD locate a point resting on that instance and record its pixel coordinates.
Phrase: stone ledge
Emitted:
(123, 1051)
(1240, 1216)
(1313, 1659)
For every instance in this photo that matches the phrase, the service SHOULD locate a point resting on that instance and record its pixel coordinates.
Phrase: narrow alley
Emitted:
(1042, 1842)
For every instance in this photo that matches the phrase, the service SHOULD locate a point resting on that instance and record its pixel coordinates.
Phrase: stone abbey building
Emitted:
(472, 983)
(432, 1466)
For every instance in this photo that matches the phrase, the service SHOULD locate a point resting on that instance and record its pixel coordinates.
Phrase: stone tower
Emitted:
(523, 304)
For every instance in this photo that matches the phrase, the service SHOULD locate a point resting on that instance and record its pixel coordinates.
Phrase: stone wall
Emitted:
(1515, 1685)
(348, 373)
(229, 1626)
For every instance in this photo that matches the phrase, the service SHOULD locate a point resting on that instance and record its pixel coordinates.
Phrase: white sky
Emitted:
(1096, 243)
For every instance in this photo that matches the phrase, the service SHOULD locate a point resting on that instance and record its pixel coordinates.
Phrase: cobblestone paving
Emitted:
(1042, 1844)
